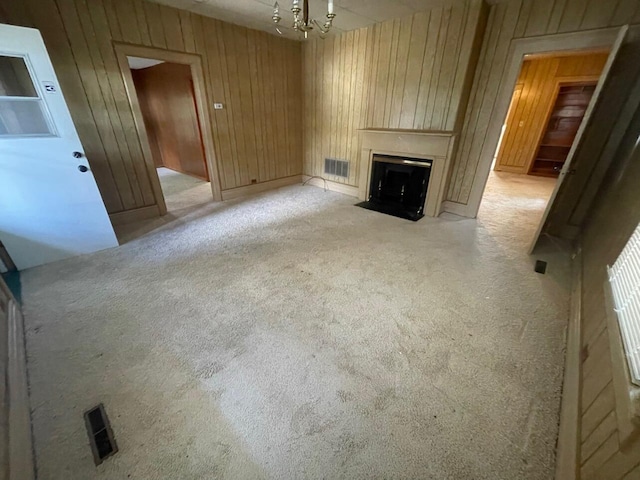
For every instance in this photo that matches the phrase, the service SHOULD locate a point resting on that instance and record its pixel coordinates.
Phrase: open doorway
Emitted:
(166, 97)
(548, 104)
(181, 179)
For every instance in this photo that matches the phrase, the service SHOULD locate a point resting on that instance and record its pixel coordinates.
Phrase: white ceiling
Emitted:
(136, 63)
(350, 14)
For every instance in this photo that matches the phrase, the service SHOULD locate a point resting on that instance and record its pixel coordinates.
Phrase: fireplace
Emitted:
(398, 186)
(426, 150)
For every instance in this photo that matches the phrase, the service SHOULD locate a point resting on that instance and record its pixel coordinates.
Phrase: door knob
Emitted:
(77, 155)
(83, 168)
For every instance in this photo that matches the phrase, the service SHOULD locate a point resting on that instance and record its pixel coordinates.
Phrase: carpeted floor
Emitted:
(292, 335)
(183, 191)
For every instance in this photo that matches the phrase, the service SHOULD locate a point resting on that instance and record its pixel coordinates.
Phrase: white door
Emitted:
(50, 206)
(567, 167)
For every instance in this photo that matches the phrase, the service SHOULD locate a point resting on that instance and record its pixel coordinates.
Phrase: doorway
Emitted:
(166, 97)
(548, 104)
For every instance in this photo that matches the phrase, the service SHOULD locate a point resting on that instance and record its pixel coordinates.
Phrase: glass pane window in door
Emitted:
(23, 117)
(15, 80)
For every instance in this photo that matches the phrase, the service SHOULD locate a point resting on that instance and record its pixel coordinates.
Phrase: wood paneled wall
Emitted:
(409, 73)
(517, 19)
(255, 75)
(614, 216)
(167, 101)
(530, 109)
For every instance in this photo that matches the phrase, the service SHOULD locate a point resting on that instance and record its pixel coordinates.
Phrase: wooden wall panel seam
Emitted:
(90, 78)
(69, 74)
(506, 33)
(121, 110)
(482, 79)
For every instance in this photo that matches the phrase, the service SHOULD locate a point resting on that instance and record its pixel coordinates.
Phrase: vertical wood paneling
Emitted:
(187, 31)
(93, 94)
(170, 19)
(508, 20)
(118, 105)
(528, 118)
(141, 19)
(154, 21)
(257, 136)
(614, 215)
(426, 73)
(411, 73)
(127, 19)
(538, 18)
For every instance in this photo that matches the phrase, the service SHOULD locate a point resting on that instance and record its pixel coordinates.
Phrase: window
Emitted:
(622, 295)
(22, 110)
(624, 277)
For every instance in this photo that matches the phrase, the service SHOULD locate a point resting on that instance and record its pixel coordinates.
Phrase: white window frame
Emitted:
(627, 393)
(38, 100)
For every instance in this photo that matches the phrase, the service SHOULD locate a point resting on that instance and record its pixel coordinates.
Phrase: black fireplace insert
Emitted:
(398, 186)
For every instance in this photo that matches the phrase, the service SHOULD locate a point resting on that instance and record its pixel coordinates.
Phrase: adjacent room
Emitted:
(167, 102)
(319, 239)
(548, 105)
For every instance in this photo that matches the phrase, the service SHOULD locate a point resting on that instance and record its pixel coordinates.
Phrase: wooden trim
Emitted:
(5, 260)
(508, 168)
(350, 190)
(627, 395)
(135, 215)
(195, 62)
(455, 208)
(565, 53)
(21, 463)
(260, 187)
(587, 40)
(568, 451)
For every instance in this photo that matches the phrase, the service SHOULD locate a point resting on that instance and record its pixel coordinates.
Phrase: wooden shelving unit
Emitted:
(562, 126)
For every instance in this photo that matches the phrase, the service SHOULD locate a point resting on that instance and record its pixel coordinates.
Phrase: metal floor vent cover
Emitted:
(103, 445)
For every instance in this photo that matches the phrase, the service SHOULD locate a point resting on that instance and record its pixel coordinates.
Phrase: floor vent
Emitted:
(339, 168)
(101, 438)
(541, 266)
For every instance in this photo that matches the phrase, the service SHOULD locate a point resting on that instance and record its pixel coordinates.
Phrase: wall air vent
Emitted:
(339, 168)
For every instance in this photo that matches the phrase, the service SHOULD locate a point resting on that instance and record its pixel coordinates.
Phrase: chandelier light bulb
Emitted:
(301, 21)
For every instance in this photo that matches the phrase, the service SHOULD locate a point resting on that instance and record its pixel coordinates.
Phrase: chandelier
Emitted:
(301, 22)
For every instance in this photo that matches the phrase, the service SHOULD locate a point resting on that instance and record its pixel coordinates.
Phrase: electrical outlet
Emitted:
(218, 106)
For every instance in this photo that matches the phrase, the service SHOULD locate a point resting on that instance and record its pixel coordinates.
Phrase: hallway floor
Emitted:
(513, 205)
(183, 191)
(293, 335)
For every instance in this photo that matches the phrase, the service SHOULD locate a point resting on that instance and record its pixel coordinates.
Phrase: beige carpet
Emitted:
(183, 191)
(292, 335)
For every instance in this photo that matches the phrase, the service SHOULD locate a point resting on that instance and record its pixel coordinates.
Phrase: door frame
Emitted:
(576, 42)
(123, 50)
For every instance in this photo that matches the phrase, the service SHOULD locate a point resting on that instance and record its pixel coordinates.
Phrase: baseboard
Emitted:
(20, 442)
(260, 187)
(456, 208)
(568, 451)
(333, 186)
(520, 170)
(135, 215)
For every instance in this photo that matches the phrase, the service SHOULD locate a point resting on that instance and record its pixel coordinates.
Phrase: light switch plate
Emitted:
(218, 106)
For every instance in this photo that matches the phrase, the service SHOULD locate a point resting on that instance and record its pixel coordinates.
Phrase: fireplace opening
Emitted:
(398, 186)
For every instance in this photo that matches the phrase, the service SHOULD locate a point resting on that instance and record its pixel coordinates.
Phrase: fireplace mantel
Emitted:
(426, 144)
